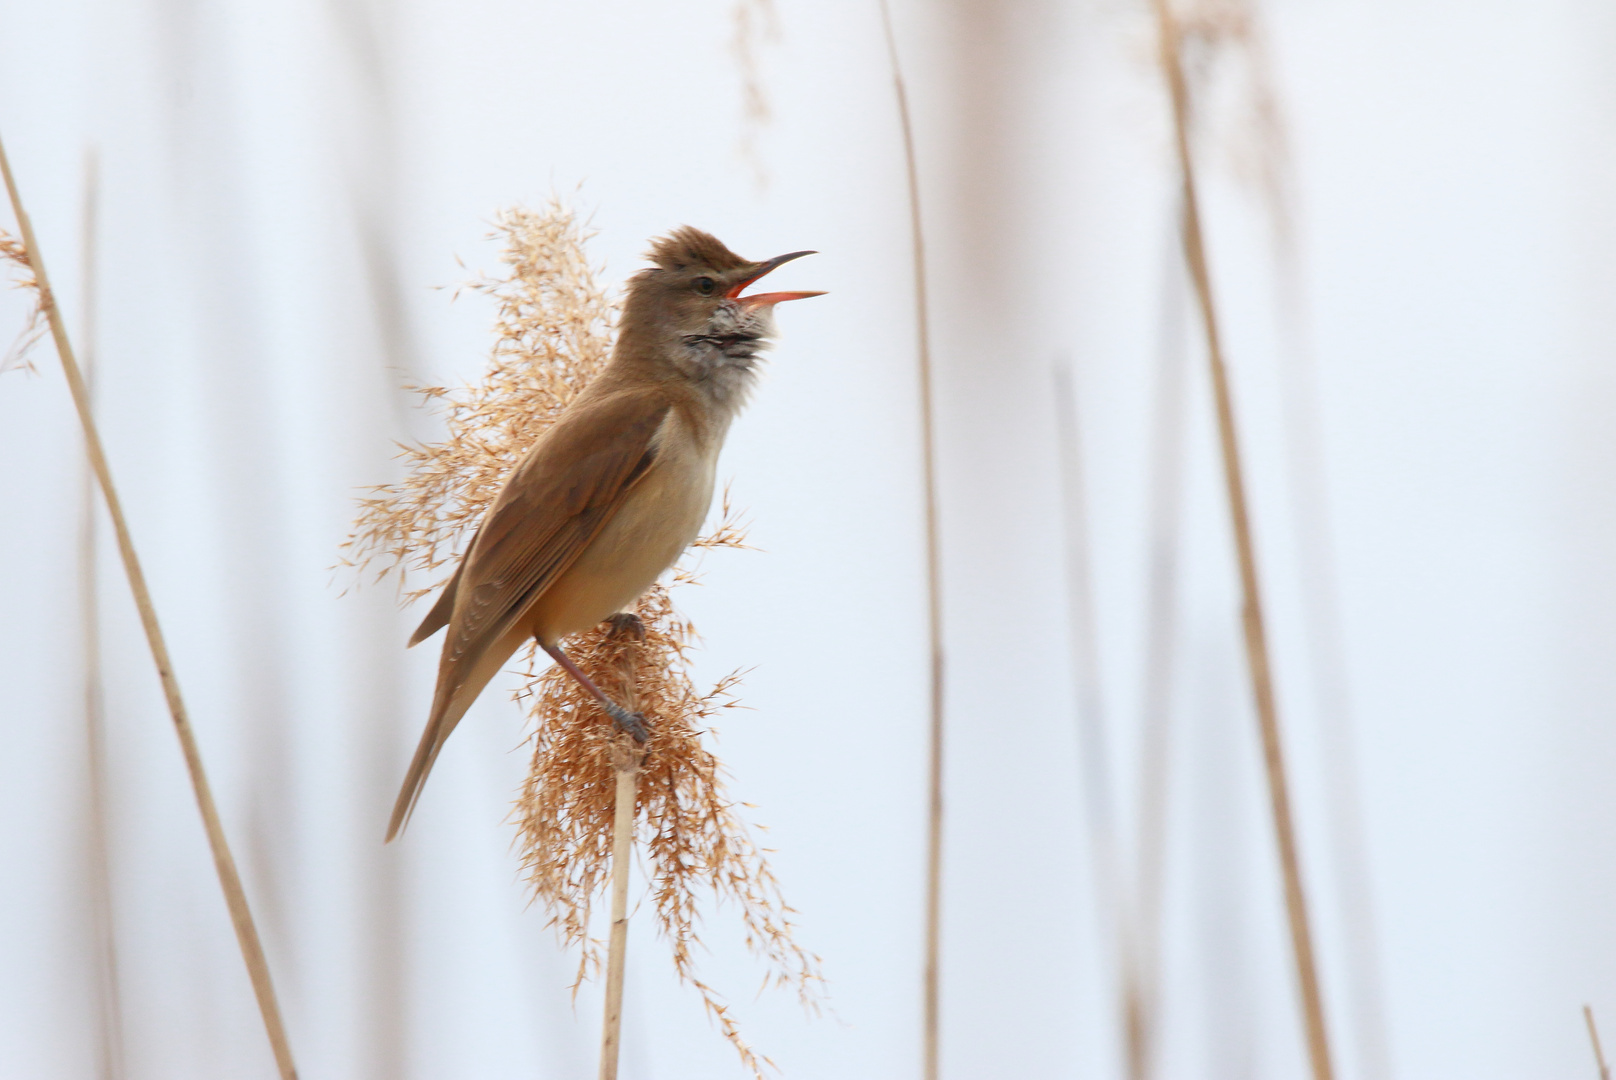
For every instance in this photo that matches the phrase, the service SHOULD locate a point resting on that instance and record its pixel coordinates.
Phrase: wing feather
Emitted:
(443, 608)
(556, 501)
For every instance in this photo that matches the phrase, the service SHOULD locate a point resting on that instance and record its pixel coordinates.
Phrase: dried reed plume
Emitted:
(756, 24)
(553, 332)
(14, 253)
(1233, 97)
(693, 840)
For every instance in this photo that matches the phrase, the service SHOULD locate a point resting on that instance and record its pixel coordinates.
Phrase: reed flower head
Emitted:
(14, 254)
(756, 23)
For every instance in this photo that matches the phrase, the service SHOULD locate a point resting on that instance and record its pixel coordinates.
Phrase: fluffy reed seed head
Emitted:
(694, 843)
(1234, 99)
(756, 23)
(14, 254)
(553, 333)
(552, 330)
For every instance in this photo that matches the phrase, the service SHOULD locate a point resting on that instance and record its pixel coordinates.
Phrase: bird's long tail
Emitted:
(457, 689)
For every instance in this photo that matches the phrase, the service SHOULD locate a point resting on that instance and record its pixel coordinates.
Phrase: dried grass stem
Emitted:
(932, 1004)
(1593, 1037)
(626, 789)
(224, 863)
(1257, 654)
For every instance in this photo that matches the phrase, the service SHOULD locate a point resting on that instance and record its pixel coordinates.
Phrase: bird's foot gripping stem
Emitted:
(626, 624)
(631, 722)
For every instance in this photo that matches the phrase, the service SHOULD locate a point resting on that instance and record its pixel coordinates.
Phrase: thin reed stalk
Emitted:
(252, 950)
(1309, 485)
(627, 767)
(1593, 1036)
(109, 1006)
(1224, 41)
(1256, 639)
(1117, 911)
(934, 585)
(1142, 1026)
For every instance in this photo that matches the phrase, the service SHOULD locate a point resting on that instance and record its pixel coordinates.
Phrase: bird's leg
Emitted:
(631, 722)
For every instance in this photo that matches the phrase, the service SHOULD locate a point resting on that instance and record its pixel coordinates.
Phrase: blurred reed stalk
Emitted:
(934, 585)
(1140, 996)
(1116, 908)
(1236, 26)
(109, 1005)
(1257, 654)
(1593, 1036)
(252, 950)
(1223, 42)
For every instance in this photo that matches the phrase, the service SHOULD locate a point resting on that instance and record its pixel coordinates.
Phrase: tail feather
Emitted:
(459, 684)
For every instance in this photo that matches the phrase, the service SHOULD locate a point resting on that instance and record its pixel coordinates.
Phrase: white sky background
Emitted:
(284, 192)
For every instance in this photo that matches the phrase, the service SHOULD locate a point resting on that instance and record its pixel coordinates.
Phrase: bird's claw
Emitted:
(631, 722)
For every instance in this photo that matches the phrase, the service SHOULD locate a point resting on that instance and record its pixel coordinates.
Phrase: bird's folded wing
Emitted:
(555, 503)
(443, 607)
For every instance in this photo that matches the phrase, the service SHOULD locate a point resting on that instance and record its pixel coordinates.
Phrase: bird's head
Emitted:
(689, 310)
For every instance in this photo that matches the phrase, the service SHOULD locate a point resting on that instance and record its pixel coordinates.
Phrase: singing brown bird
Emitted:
(614, 491)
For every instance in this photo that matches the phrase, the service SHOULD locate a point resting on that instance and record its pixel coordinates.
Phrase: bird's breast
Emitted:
(659, 518)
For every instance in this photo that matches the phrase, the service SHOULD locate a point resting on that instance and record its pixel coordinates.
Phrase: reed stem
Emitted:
(934, 586)
(1257, 654)
(252, 950)
(1593, 1036)
(95, 744)
(1118, 911)
(1141, 998)
(611, 1036)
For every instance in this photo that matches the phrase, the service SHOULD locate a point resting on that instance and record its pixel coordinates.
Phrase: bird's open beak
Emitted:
(762, 299)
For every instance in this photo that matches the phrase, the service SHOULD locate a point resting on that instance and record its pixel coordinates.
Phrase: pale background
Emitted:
(284, 191)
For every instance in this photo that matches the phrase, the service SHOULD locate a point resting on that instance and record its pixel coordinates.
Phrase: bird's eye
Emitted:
(705, 286)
